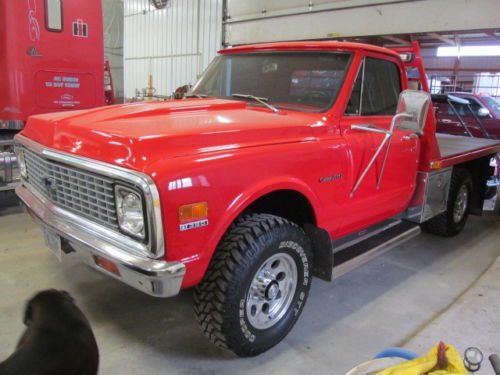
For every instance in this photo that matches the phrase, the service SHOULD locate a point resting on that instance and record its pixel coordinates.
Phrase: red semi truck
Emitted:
(288, 161)
(51, 59)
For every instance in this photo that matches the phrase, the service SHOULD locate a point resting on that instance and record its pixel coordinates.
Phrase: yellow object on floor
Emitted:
(441, 360)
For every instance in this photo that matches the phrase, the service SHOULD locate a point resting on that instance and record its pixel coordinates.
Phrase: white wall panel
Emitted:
(279, 20)
(174, 44)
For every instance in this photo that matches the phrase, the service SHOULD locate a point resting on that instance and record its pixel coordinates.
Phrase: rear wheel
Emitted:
(256, 285)
(452, 221)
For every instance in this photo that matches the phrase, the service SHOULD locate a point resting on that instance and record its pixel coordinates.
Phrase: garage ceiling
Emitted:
(435, 39)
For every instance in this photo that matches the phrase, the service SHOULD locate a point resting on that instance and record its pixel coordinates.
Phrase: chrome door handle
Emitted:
(409, 137)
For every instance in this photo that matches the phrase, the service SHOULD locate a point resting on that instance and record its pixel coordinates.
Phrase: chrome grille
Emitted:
(83, 193)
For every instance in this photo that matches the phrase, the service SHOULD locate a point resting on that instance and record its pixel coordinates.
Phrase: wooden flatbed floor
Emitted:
(456, 149)
(450, 145)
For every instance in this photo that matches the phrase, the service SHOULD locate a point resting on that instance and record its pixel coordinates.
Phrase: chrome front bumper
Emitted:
(154, 277)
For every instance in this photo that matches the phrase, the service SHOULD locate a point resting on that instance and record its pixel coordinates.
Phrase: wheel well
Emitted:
(295, 207)
(289, 204)
(480, 171)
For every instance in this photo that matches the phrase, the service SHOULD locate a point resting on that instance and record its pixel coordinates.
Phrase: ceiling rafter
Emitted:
(442, 38)
(396, 39)
(493, 35)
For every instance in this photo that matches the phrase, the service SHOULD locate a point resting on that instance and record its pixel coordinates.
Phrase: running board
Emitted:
(354, 256)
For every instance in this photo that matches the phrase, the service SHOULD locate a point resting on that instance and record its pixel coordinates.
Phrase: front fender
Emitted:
(235, 208)
(230, 182)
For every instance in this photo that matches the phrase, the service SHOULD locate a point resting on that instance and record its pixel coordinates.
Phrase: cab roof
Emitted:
(309, 46)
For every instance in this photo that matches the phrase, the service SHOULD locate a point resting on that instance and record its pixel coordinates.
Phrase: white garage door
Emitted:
(279, 20)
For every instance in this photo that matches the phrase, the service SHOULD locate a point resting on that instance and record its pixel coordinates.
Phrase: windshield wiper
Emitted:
(263, 101)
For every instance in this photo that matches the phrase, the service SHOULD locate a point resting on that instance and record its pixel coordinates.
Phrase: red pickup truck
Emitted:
(468, 114)
(460, 114)
(288, 161)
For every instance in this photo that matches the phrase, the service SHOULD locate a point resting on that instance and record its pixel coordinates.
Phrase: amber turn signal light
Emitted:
(106, 264)
(194, 211)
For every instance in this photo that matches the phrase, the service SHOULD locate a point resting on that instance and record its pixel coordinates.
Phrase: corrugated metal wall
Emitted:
(113, 42)
(479, 74)
(480, 63)
(174, 44)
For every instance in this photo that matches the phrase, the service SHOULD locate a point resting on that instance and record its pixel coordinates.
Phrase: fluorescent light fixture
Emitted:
(468, 51)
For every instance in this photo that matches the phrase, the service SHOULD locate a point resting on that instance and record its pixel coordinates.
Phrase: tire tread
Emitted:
(235, 250)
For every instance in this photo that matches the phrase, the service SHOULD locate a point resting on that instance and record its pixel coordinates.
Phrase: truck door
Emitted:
(389, 183)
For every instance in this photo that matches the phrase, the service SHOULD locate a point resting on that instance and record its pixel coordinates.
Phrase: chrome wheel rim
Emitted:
(460, 204)
(271, 291)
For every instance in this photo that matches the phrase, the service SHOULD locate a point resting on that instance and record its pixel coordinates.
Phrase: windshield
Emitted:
(300, 81)
(494, 104)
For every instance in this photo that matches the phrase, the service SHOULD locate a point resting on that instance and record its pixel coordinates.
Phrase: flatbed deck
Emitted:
(456, 149)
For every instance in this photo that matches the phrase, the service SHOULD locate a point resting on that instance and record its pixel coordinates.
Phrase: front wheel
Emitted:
(256, 285)
(452, 221)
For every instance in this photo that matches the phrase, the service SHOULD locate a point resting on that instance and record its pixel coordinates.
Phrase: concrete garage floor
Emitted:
(386, 302)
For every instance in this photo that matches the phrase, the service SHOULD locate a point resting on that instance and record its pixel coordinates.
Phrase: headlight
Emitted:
(129, 209)
(22, 163)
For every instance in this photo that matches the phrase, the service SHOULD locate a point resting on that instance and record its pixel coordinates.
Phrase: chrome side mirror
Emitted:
(412, 111)
(483, 112)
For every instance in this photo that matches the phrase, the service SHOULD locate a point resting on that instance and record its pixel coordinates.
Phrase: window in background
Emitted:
(53, 15)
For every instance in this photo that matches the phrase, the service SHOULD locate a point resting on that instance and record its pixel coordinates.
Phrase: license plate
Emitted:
(53, 242)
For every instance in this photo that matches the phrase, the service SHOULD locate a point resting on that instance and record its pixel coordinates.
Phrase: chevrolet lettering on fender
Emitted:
(286, 161)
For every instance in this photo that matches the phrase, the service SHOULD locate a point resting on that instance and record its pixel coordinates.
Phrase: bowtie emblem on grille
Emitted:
(50, 185)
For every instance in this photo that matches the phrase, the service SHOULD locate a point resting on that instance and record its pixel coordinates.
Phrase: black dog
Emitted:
(58, 339)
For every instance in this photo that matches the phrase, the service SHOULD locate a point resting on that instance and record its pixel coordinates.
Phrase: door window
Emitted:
(463, 109)
(460, 108)
(475, 106)
(53, 15)
(354, 104)
(494, 104)
(376, 90)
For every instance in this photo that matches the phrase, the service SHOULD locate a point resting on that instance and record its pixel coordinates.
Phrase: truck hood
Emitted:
(139, 134)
